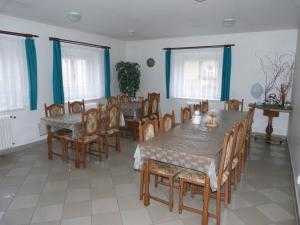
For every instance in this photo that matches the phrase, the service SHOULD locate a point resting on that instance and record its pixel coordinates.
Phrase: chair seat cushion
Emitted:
(110, 131)
(192, 176)
(62, 132)
(164, 169)
(84, 139)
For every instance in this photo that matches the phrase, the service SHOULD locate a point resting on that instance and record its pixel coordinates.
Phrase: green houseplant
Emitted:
(129, 78)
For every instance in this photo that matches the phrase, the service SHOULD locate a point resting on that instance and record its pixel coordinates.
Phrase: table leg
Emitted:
(147, 183)
(206, 195)
(269, 130)
(49, 142)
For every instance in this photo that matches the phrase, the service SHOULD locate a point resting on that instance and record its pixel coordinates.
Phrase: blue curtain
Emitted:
(168, 71)
(58, 87)
(107, 72)
(32, 72)
(226, 74)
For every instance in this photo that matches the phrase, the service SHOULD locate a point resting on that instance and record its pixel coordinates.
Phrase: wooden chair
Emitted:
(123, 99)
(90, 134)
(185, 114)
(197, 107)
(204, 106)
(145, 110)
(113, 101)
(148, 130)
(111, 128)
(167, 122)
(199, 179)
(233, 105)
(76, 106)
(154, 99)
(56, 110)
(239, 154)
(250, 116)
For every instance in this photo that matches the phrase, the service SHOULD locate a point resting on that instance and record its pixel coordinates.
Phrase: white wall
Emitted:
(25, 126)
(294, 125)
(245, 66)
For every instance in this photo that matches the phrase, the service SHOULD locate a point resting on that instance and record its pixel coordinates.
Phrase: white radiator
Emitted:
(6, 137)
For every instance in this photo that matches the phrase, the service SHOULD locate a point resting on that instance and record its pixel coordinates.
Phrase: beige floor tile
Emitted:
(111, 218)
(8, 191)
(78, 195)
(53, 222)
(77, 221)
(136, 217)
(17, 217)
(36, 178)
(255, 198)
(130, 202)
(122, 179)
(52, 198)
(274, 212)
(18, 171)
(252, 216)
(79, 183)
(31, 188)
(275, 195)
(47, 213)
(13, 180)
(24, 201)
(230, 218)
(77, 209)
(55, 186)
(175, 222)
(104, 205)
(100, 182)
(4, 203)
(126, 189)
(103, 192)
(161, 214)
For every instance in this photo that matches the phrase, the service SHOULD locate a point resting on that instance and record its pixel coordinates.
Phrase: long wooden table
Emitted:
(190, 146)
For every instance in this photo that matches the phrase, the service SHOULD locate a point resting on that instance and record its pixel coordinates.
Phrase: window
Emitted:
(83, 72)
(13, 74)
(196, 74)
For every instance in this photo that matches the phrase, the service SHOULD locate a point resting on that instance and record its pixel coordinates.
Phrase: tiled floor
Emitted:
(34, 190)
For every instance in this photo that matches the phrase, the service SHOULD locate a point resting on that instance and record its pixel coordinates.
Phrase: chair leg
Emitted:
(181, 193)
(171, 189)
(155, 181)
(118, 140)
(142, 174)
(99, 150)
(236, 173)
(106, 146)
(77, 160)
(226, 194)
(84, 150)
(218, 207)
(147, 183)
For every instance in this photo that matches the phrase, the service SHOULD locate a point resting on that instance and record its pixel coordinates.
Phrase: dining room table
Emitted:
(192, 146)
(131, 109)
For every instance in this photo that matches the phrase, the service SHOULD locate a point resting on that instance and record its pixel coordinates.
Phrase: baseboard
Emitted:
(22, 147)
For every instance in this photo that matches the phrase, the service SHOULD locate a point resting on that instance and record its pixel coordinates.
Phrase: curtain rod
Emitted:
(77, 42)
(194, 47)
(18, 34)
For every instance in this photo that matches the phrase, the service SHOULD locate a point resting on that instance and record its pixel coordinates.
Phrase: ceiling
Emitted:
(159, 18)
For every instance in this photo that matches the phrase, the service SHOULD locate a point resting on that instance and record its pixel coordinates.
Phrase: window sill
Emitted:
(197, 99)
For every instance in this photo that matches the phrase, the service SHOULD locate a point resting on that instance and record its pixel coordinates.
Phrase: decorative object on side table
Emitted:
(129, 78)
(212, 119)
(150, 62)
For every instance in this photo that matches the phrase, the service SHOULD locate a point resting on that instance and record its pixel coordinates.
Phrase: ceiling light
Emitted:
(131, 32)
(228, 22)
(74, 16)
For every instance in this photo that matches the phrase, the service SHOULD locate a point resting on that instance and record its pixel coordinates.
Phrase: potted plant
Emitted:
(129, 78)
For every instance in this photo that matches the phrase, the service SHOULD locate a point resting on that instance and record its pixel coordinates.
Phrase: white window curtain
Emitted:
(13, 74)
(196, 73)
(83, 72)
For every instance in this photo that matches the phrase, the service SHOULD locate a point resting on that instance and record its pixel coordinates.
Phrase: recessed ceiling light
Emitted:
(199, 0)
(74, 16)
(228, 22)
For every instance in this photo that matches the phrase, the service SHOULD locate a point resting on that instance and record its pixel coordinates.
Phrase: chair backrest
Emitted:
(241, 137)
(113, 100)
(112, 118)
(145, 109)
(234, 105)
(251, 116)
(185, 114)
(54, 110)
(167, 122)
(148, 130)
(204, 106)
(154, 99)
(90, 122)
(123, 99)
(76, 106)
(227, 154)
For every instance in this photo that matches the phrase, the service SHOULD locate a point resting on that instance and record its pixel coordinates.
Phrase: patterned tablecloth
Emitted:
(131, 109)
(67, 121)
(190, 146)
